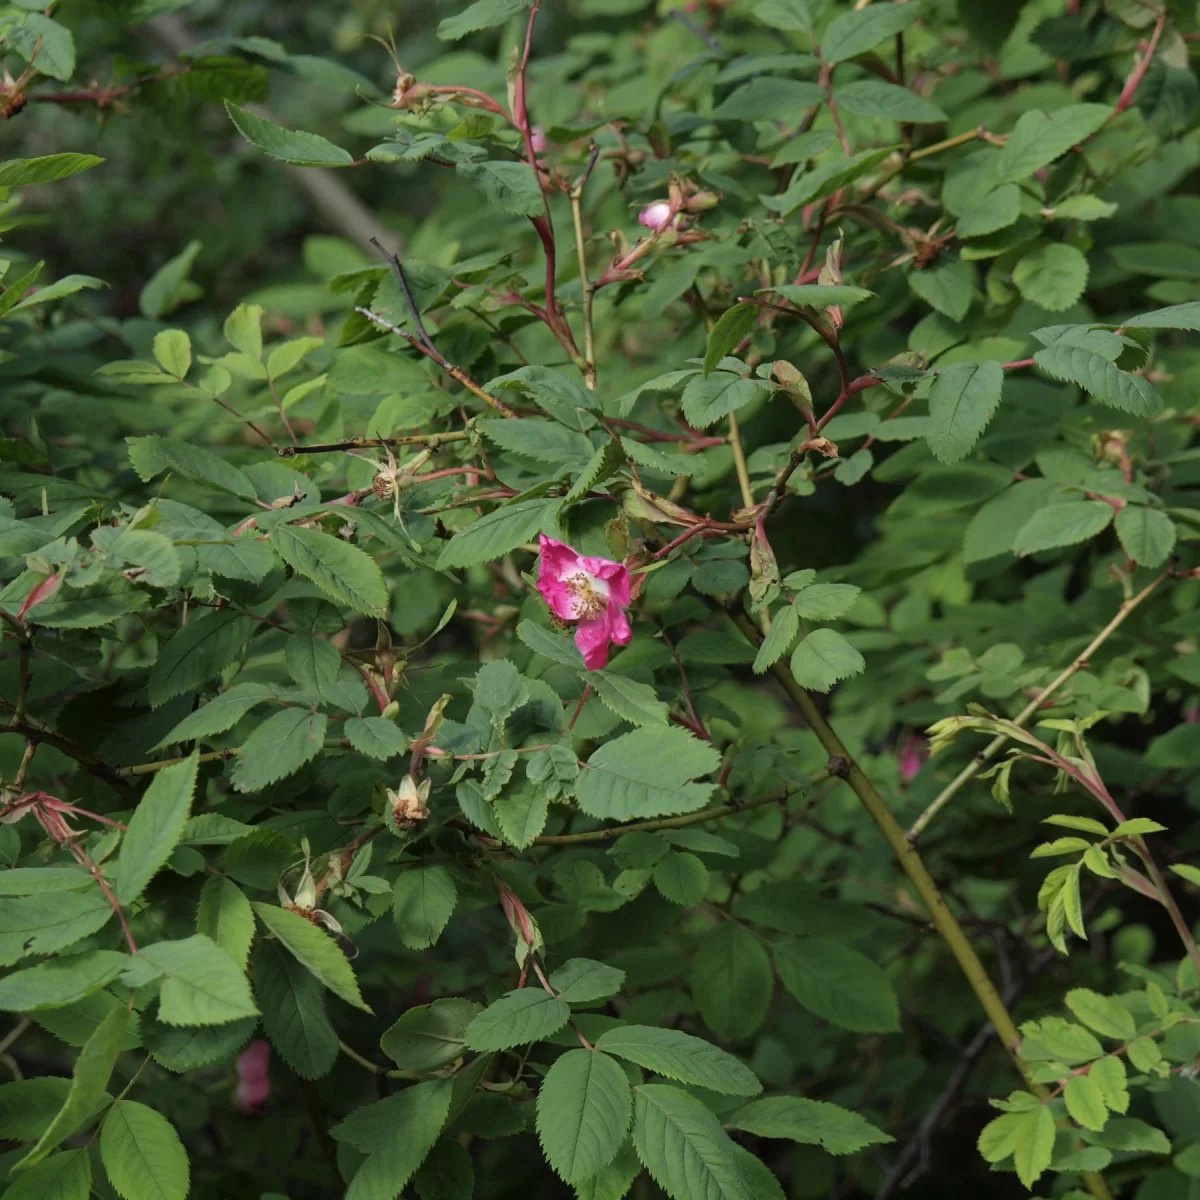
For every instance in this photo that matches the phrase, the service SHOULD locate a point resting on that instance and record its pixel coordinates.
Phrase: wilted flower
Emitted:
(409, 802)
(655, 216)
(593, 591)
(254, 1080)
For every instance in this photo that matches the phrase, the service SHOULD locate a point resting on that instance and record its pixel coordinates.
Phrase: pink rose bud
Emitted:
(655, 216)
(593, 591)
(538, 138)
(913, 754)
(254, 1081)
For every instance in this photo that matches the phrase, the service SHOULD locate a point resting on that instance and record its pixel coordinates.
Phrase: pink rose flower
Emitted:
(593, 591)
(913, 753)
(254, 1081)
(655, 216)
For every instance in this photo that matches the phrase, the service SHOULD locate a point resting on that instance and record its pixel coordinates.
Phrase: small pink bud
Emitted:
(655, 216)
(913, 754)
(538, 139)
(254, 1082)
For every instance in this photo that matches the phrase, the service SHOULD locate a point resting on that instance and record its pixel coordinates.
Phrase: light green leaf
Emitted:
(225, 916)
(785, 14)
(343, 572)
(1101, 378)
(996, 210)
(60, 981)
(1062, 525)
(948, 286)
(681, 878)
(731, 327)
(48, 923)
(824, 657)
(65, 1176)
(819, 295)
(279, 747)
(810, 1122)
(219, 714)
(830, 177)
(1052, 276)
(784, 626)
(21, 172)
(155, 828)
(511, 186)
(173, 352)
(376, 737)
(582, 980)
(168, 288)
(1034, 1144)
(202, 985)
(632, 701)
(521, 813)
(679, 1056)
(647, 773)
(1038, 139)
(1102, 1013)
(838, 984)
(44, 44)
(423, 901)
(706, 401)
(684, 1147)
(289, 146)
(89, 1080)
(142, 1154)
(1085, 1102)
(963, 399)
(826, 601)
(154, 455)
(583, 1110)
(516, 1019)
(314, 949)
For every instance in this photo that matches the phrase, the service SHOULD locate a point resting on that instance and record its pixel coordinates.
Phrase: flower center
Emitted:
(590, 595)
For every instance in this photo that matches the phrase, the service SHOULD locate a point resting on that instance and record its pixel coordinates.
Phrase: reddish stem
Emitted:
(1129, 91)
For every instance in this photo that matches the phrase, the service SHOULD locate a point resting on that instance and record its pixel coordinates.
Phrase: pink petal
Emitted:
(591, 640)
(558, 563)
(656, 215)
(614, 574)
(255, 1060)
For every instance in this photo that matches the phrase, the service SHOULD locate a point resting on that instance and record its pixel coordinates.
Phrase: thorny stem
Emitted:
(416, 439)
(993, 747)
(944, 921)
(1129, 91)
(588, 294)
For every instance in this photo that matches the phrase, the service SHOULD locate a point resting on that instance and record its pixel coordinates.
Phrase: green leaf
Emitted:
(647, 773)
(183, 1048)
(824, 180)
(838, 984)
(998, 209)
(1085, 1102)
(732, 981)
(376, 737)
(1038, 139)
(963, 399)
(289, 146)
(279, 747)
(1101, 378)
(784, 626)
(142, 1154)
(1082, 208)
(21, 172)
(60, 981)
(219, 714)
(155, 828)
(68, 285)
(483, 14)
(173, 352)
(65, 1176)
(540, 439)
(521, 814)
(314, 949)
(32, 881)
(875, 98)
(635, 702)
(430, 1036)
(1146, 534)
(767, 98)
(1108, 1074)
(346, 574)
(706, 401)
(684, 1147)
(1062, 525)
(447, 1174)
(511, 186)
(731, 327)
(681, 878)
(819, 295)
(397, 1134)
(826, 601)
(44, 44)
(494, 535)
(423, 900)
(46, 924)
(167, 289)
(583, 1111)
(200, 651)
(516, 1019)
(153, 455)
(582, 980)
(1176, 316)
(824, 657)
(679, 1056)
(1102, 1013)
(850, 34)
(810, 1122)
(614, 1181)
(202, 984)
(1034, 1144)
(993, 529)
(89, 1080)
(292, 1000)
(948, 286)
(1052, 276)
